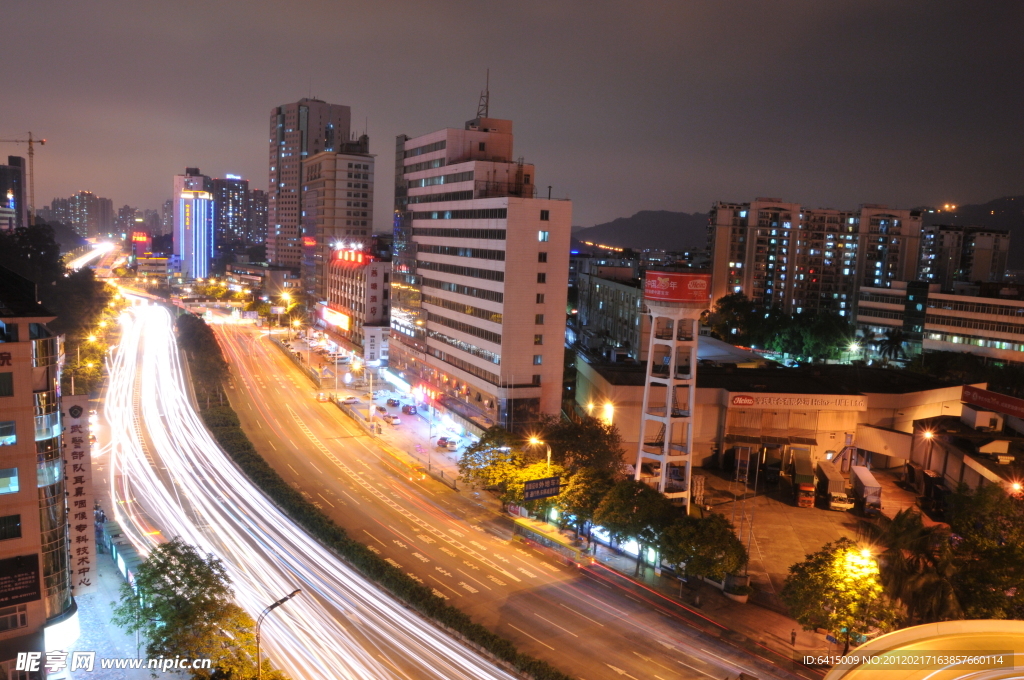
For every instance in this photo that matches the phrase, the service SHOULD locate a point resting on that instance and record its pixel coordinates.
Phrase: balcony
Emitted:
(47, 351)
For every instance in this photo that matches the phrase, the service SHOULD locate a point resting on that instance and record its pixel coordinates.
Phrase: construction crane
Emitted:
(31, 172)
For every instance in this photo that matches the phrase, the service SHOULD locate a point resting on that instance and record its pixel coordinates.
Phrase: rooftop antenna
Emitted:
(482, 109)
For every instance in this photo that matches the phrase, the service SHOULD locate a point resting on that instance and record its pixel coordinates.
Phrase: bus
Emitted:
(549, 539)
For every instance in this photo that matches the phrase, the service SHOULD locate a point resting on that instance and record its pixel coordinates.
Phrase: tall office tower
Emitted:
(480, 277)
(193, 223)
(954, 253)
(13, 198)
(34, 541)
(231, 210)
(104, 215)
(257, 217)
(337, 208)
(153, 223)
(804, 260)
(167, 216)
(297, 131)
(83, 214)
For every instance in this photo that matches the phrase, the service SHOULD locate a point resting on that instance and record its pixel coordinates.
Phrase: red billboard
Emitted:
(993, 401)
(677, 287)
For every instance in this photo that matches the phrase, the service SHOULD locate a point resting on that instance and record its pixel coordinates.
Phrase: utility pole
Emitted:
(31, 171)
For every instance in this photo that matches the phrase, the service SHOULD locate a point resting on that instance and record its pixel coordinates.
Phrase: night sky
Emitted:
(623, 106)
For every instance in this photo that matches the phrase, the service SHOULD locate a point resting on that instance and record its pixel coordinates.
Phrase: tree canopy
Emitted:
(705, 546)
(181, 604)
(633, 510)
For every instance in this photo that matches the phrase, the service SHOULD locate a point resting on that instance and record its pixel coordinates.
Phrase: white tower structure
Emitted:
(675, 302)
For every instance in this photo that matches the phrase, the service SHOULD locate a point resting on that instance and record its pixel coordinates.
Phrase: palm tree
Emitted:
(916, 566)
(891, 346)
(867, 339)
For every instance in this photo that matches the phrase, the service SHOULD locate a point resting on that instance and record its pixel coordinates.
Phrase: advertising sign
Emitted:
(335, 318)
(278, 310)
(993, 401)
(19, 580)
(677, 287)
(78, 470)
(535, 489)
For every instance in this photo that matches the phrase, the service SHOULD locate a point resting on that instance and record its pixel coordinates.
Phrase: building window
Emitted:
(542, 277)
(483, 146)
(8, 480)
(542, 236)
(538, 359)
(538, 319)
(10, 527)
(545, 216)
(536, 379)
(540, 298)
(13, 617)
(538, 339)
(7, 436)
(542, 257)
(6, 384)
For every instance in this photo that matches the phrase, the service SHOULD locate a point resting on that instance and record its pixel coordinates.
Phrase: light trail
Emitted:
(342, 626)
(99, 250)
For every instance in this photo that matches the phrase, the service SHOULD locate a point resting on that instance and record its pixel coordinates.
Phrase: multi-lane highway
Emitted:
(589, 622)
(168, 478)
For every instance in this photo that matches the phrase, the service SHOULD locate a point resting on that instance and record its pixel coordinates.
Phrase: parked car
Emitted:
(394, 402)
(409, 410)
(442, 443)
(381, 409)
(350, 400)
(394, 420)
(323, 396)
(453, 445)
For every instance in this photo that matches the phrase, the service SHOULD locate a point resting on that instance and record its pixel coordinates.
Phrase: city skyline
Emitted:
(694, 104)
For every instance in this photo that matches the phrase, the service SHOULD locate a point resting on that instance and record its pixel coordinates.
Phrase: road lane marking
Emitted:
(580, 614)
(694, 668)
(375, 538)
(471, 578)
(531, 637)
(325, 500)
(555, 625)
(731, 663)
(292, 469)
(350, 497)
(314, 467)
(445, 585)
(272, 445)
(650, 660)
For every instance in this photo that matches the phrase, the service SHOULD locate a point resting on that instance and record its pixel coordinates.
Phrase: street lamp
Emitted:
(534, 442)
(259, 622)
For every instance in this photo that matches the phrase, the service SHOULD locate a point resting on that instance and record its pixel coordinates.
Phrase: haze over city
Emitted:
(623, 106)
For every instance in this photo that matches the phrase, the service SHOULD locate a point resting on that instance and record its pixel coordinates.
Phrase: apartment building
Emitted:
(955, 253)
(804, 260)
(480, 278)
(355, 312)
(35, 569)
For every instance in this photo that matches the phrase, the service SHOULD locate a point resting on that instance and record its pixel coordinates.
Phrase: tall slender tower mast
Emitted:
(483, 108)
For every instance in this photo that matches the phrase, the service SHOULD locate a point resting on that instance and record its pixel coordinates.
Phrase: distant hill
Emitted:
(650, 229)
(1002, 213)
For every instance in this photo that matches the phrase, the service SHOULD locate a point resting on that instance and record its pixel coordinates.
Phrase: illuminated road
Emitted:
(98, 251)
(169, 478)
(589, 622)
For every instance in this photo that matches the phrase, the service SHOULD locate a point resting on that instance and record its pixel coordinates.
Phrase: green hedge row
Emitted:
(223, 423)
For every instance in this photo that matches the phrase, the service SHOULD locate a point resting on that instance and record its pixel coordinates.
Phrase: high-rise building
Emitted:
(104, 216)
(194, 238)
(799, 259)
(257, 218)
(956, 253)
(480, 278)
(83, 214)
(167, 216)
(13, 199)
(231, 210)
(354, 310)
(125, 220)
(337, 208)
(34, 518)
(297, 131)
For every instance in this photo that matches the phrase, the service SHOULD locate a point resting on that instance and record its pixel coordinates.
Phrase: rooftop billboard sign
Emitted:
(677, 287)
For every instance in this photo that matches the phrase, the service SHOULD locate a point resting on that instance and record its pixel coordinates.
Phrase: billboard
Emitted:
(335, 318)
(993, 401)
(78, 468)
(677, 287)
(19, 580)
(535, 489)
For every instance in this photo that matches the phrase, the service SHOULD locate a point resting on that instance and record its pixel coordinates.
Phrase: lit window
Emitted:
(538, 359)
(543, 236)
(8, 480)
(7, 436)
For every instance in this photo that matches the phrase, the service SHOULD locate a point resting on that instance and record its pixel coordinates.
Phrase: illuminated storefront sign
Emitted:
(335, 318)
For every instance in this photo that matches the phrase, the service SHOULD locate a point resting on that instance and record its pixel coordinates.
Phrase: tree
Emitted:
(209, 369)
(838, 589)
(581, 496)
(731, 317)
(917, 566)
(705, 546)
(495, 460)
(515, 484)
(988, 545)
(867, 339)
(891, 345)
(181, 603)
(633, 510)
(587, 443)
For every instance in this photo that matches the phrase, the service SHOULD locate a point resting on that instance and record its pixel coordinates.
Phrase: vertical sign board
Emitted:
(677, 287)
(19, 580)
(78, 471)
(535, 489)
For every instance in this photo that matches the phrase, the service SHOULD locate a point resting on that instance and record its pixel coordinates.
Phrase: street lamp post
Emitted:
(534, 442)
(259, 622)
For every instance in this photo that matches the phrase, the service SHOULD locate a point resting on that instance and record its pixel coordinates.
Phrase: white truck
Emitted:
(832, 486)
(868, 491)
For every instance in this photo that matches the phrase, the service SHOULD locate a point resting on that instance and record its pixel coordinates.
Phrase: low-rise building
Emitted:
(356, 311)
(273, 281)
(157, 265)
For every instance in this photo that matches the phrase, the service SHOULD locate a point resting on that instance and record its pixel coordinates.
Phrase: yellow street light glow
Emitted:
(534, 441)
(854, 347)
(91, 338)
(927, 434)
(296, 323)
(103, 324)
(1016, 486)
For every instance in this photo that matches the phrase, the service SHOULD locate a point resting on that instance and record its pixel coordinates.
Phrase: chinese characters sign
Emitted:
(78, 468)
(536, 489)
(677, 287)
(19, 580)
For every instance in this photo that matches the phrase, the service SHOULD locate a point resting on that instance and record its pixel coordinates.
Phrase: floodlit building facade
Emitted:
(231, 210)
(194, 237)
(480, 278)
(355, 311)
